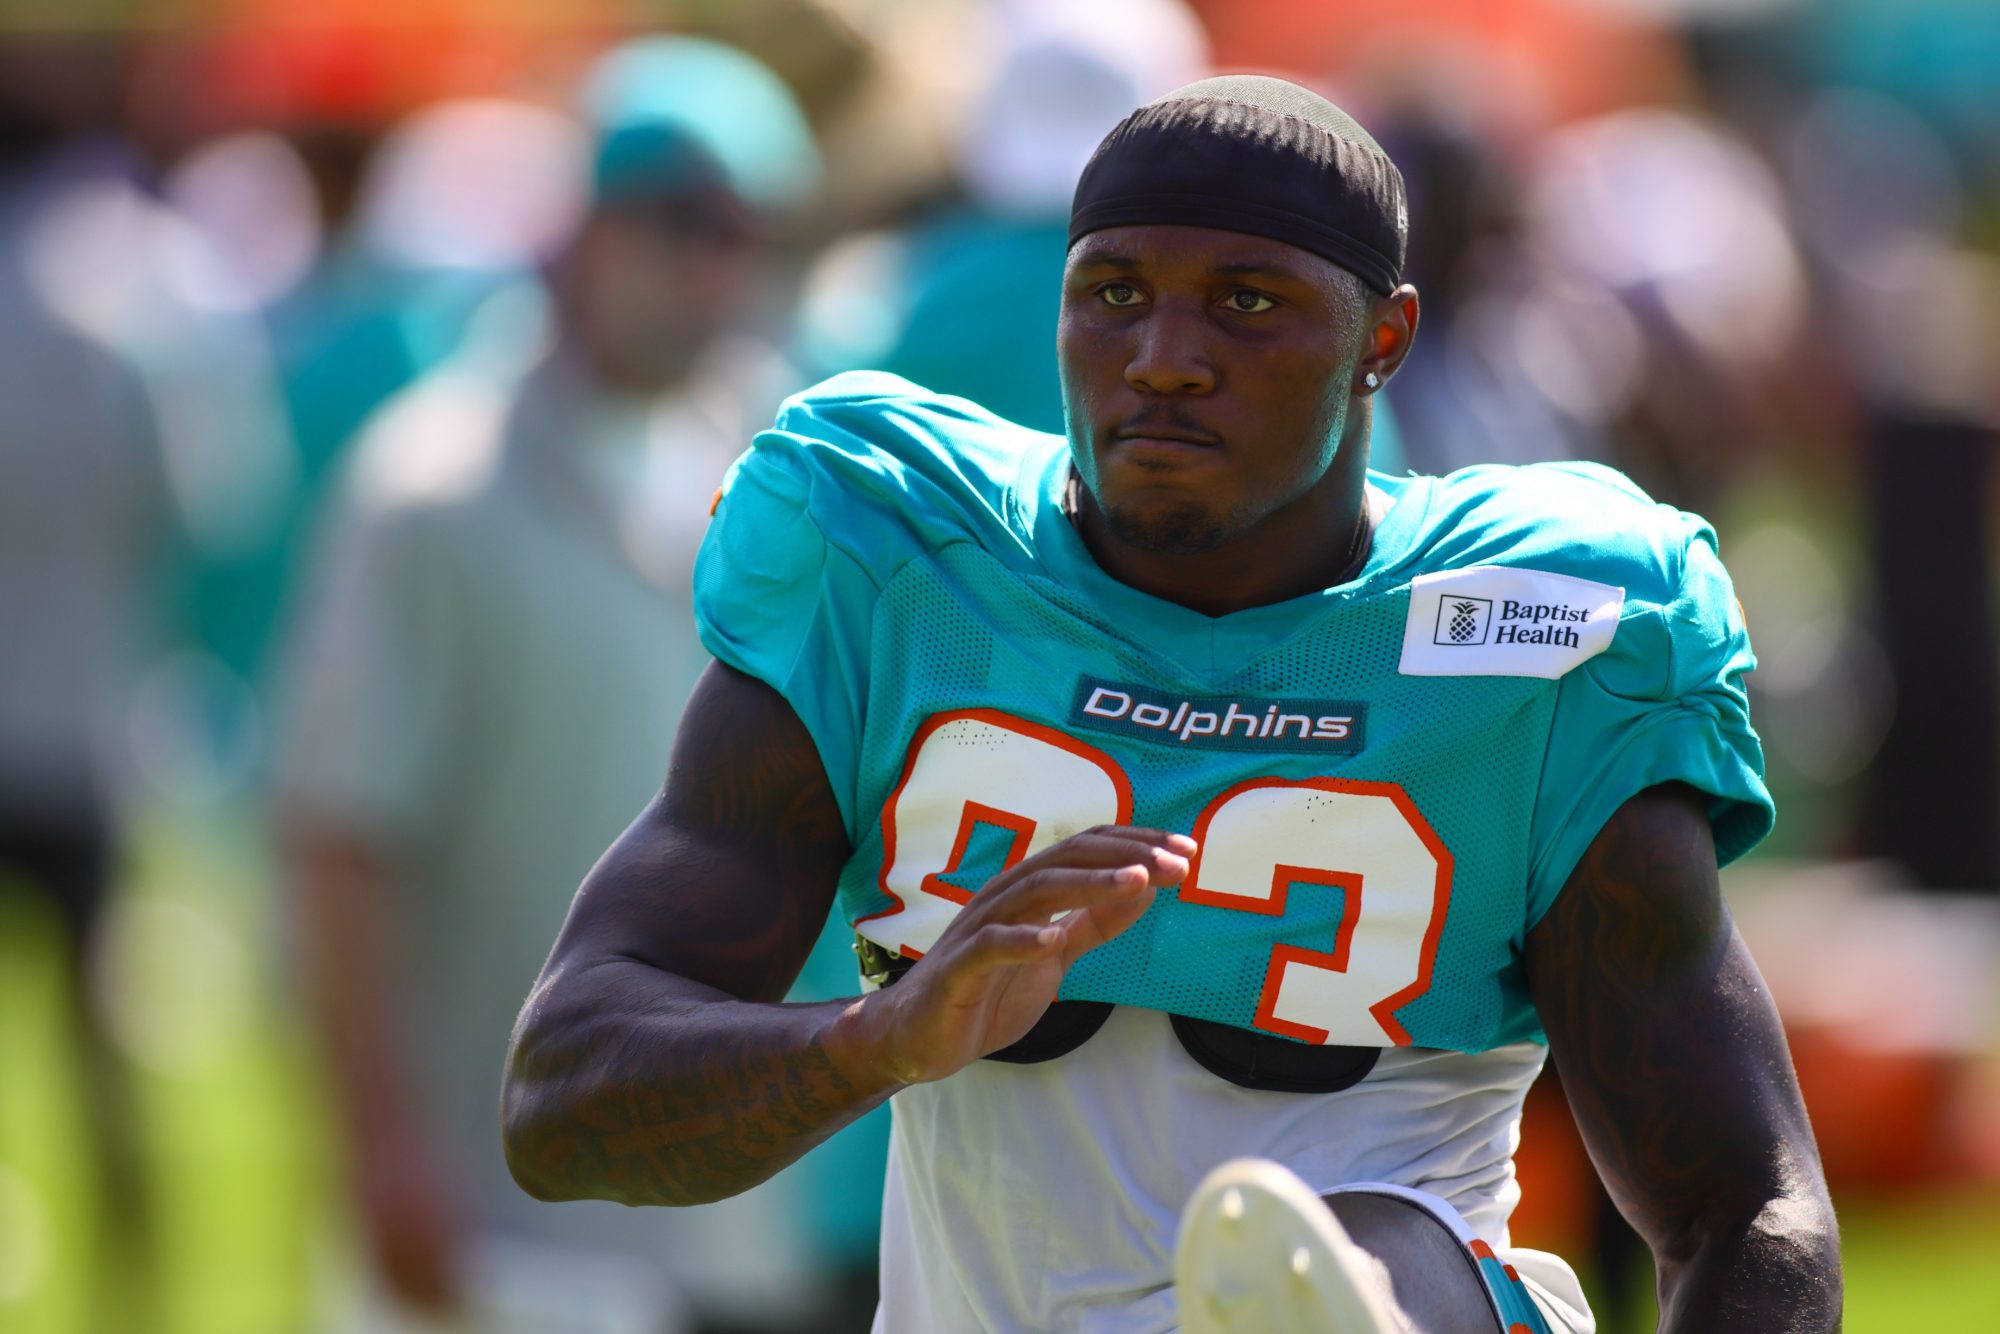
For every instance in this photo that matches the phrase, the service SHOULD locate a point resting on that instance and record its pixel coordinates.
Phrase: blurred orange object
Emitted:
(1558, 1183)
(1568, 59)
(360, 62)
(1883, 1116)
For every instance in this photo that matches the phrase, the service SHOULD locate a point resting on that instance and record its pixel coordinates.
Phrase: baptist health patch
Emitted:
(1493, 620)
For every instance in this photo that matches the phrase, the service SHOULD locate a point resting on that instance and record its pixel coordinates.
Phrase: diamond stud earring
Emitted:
(1372, 380)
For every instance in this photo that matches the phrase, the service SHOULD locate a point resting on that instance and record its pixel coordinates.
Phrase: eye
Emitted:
(1119, 294)
(1248, 302)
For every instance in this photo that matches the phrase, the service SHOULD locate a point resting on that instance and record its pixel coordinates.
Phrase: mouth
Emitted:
(1164, 438)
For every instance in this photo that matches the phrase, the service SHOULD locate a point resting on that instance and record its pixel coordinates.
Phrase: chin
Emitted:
(1181, 528)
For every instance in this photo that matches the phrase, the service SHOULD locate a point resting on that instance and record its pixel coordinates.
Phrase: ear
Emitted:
(1392, 327)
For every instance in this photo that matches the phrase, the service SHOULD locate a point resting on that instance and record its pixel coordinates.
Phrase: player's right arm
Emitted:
(653, 1062)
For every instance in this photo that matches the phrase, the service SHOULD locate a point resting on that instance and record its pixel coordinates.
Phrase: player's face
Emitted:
(1206, 378)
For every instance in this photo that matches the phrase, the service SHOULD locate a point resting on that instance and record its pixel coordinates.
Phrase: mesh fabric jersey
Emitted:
(897, 565)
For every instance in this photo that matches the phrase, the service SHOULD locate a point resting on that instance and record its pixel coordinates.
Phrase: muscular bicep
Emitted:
(1666, 1039)
(727, 876)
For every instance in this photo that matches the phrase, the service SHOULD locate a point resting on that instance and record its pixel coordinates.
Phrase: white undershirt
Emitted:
(1045, 1197)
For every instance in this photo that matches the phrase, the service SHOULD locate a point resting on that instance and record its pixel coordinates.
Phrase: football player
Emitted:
(1197, 795)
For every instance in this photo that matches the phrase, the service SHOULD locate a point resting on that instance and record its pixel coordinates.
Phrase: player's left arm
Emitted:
(1677, 1071)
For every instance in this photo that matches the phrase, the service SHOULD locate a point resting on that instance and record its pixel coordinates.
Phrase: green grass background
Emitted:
(236, 1135)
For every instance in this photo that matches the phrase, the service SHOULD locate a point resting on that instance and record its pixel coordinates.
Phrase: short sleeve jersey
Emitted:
(1390, 779)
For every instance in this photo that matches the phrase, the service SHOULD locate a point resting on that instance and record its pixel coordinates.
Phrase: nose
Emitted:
(1168, 354)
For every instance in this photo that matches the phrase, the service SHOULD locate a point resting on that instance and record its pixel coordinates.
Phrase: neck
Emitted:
(1316, 541)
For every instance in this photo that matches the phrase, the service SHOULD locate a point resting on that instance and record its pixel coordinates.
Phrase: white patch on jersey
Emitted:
(1494, 620)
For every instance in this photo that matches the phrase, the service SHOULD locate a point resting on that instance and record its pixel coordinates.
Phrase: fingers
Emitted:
(1109, 845)
(1110, 901)
(1094, 924)
(1163, 854)
(1017, 942)
(1099, 882)
(1039, 894)
(995, 947)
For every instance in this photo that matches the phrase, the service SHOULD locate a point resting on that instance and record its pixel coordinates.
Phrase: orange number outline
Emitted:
(1284, 876)
(1023, 829)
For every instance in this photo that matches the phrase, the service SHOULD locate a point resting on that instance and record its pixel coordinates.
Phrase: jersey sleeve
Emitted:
(776, 600)
(1664, 704)
(860, 479)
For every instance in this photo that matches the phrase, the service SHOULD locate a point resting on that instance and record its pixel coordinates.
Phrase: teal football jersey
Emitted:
(1390, 780)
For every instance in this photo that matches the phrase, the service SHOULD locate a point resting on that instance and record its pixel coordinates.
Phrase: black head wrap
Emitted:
(1246, 153)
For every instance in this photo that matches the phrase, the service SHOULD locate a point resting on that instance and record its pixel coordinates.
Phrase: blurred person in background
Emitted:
(1913, 316)
(1665, 237)
(346, 329)
(119, 259)
(1492, 331)
(358, 253)
(489, 668)
(962, 301)
(84, 511)
(1885, 691)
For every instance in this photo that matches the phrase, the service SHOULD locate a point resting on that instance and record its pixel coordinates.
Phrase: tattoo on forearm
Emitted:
(730, 1106)
(1633, 964)
(1678, 1075)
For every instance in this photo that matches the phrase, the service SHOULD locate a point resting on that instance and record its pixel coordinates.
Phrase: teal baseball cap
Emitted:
(677, 114)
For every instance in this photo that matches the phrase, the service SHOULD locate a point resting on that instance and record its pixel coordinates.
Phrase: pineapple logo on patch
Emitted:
(1463, 620)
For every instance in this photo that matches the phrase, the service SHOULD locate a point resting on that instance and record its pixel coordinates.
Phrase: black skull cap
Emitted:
(1250, 153)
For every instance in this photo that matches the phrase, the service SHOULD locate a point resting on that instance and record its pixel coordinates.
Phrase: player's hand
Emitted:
(997, 966)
